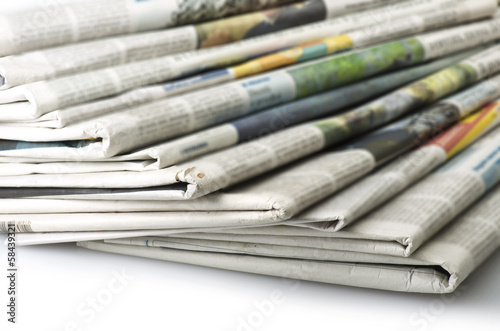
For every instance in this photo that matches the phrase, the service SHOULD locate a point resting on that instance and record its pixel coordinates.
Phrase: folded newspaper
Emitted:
(437, 267)
(270, 199)
(216, 138)
(402, 225)
(52, 63)
(127, 130)
(376, 189)
(358, 38)
(33, 100)
(56, 24)
(373, 191)
(219, 170)
(95, 54)
(384, 31)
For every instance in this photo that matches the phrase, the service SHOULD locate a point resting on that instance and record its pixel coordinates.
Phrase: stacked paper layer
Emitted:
(346, 142)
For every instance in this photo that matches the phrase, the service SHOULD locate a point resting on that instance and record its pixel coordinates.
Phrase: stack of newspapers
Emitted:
(352, 142)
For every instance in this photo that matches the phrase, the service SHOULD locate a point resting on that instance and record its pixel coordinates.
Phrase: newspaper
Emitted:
(439, 266)
(277, 118)
(402, 225)
(341, 210)
(247, 128)
(293, 251)
(371, 192)
(55, 24)
(321, 217)
(269, 199)
(356, 39)
(450, 142)
(128, 130)
(92, 55)
(71, 59)
(24, 160)
(227, 167)
(41, 238)
(33, 100)
(273, 198)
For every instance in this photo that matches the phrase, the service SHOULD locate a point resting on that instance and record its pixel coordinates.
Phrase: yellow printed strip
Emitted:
(480, 122)
(338, 43)
(293, 55)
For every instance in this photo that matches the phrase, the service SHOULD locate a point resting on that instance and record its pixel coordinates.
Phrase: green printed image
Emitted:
(334, 129)
(396, 104)
(415, 96)
(352, 67)
(443, 82)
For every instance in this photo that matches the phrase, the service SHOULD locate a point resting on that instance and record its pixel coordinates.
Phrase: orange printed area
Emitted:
(268, 62)
(338, 43)
(464, 133)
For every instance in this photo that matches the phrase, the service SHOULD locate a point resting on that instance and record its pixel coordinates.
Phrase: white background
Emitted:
(56, 283)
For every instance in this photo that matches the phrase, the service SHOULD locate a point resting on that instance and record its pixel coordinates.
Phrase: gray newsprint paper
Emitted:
(393, 230)
(397, 233)
(402, 225)
(437, 267)
(273, 198)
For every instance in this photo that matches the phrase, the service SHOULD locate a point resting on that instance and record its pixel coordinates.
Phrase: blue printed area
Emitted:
(281, 117)
(485, 163)
(457, 162)
(195, 148)
(256, 81)
(490, 169)
(197, 80)
(6, 145)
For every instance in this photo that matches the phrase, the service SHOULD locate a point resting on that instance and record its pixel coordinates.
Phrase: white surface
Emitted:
(56, 280)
